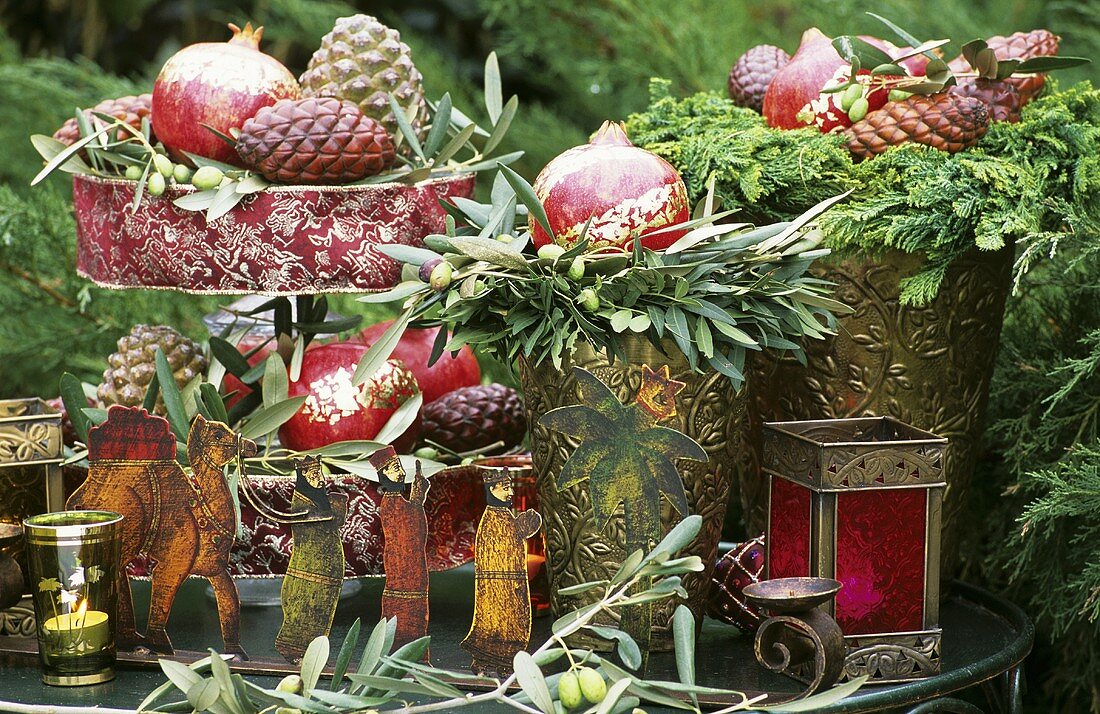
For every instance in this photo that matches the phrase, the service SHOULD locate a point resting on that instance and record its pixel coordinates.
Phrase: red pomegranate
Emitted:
(627, 192)
(337, 410)
(415, 347)
(219, 84)
(801, 80)
(230, 383)
(794, 99)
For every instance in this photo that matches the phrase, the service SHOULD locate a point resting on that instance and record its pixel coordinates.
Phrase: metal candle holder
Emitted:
(800, 639)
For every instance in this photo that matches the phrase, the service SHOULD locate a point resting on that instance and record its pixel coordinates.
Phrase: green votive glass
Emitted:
(73, 560)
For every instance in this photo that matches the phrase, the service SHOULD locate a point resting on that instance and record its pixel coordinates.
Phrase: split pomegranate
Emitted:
(415, 347)
(337, 410)
(626, 191)
(794, 98)
(801, 80)
(220, 85)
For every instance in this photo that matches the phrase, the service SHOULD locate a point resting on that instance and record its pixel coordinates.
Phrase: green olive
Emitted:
(291, 684)
(593, 686)
(551, 251)
(859, 109)
(163, 165)
(440, 277)
(850, 95)
(589, 300)
(569, 690)
(182, 173)
(134, 172)
(155, 184)
(207, 177)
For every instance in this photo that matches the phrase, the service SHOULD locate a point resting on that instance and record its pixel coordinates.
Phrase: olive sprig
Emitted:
(719, 292)
(385, 677)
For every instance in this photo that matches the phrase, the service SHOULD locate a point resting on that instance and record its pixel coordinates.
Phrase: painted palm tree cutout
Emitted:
(627, 459)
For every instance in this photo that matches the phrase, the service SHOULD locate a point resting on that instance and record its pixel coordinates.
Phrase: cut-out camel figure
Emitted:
(184, 522)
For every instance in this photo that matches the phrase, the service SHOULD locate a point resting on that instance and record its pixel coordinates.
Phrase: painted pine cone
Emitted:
(475, 417)
(753, 72)
(944, 121)
(131, 368)
(738, 567)
(1022, 46)
(318, 140)
(1002, 98)
(129, 109)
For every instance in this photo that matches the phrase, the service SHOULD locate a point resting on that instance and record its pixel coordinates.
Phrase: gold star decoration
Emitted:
(657, 395)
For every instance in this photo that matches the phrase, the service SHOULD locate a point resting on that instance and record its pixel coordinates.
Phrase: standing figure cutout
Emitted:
(404, 553)
(502, 596)
(315, 574)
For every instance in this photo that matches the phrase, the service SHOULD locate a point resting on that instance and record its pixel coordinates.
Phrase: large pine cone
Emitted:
(132, 367)
(1022, 46)
(944, 121)
(129, 109)
(753, 72)
(364, 61)
(1002, 98)
(314, 141)
(472, 418)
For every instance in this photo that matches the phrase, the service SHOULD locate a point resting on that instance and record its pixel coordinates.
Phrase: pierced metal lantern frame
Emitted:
(30, 479)
(834, 460)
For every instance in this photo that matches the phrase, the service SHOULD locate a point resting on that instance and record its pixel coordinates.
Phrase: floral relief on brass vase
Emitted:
(710, 411)
(927, 366)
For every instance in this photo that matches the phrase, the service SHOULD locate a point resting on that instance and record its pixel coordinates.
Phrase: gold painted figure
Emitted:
(502, 598)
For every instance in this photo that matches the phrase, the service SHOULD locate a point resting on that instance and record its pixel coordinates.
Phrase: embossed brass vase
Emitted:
(926, 366)
(710, 411)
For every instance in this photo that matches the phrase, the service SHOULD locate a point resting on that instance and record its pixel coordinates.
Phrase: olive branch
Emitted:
(396, 681)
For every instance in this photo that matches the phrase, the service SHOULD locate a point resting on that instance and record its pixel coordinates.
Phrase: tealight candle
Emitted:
(80, 631)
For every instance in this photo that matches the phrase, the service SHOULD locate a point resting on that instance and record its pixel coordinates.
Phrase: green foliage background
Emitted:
(575, 63)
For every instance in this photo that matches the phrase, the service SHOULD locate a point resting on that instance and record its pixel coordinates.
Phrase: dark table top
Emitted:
(983, 636)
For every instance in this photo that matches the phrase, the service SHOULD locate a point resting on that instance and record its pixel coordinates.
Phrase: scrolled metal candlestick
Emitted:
(799, 639)
(11, 577)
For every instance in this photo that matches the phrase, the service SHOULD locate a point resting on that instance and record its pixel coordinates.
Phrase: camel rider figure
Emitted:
(404, 553)
(502, 596)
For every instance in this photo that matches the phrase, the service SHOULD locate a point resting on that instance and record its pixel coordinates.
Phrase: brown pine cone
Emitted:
(1002, 98)
(944, 121)
(1022, 46)
(129, 109)
(475, 417)
(318, 140)
(753, 72)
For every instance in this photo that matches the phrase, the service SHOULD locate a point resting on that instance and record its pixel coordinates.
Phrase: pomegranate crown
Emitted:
(611, 134)
(247, 37)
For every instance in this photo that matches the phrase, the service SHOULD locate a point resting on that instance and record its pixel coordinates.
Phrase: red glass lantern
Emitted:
(859, 500)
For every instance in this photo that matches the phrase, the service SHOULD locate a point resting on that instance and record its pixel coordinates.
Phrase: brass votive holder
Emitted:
(800, 639)
(73, 559)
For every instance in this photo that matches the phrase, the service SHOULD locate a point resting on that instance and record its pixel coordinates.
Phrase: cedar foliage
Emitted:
(1033, 183)
(1041, 504)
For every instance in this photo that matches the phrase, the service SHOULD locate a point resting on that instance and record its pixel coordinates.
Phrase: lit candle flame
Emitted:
(82, 608)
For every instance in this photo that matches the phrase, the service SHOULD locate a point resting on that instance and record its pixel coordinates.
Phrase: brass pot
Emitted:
(710, 411)
(927, 366)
